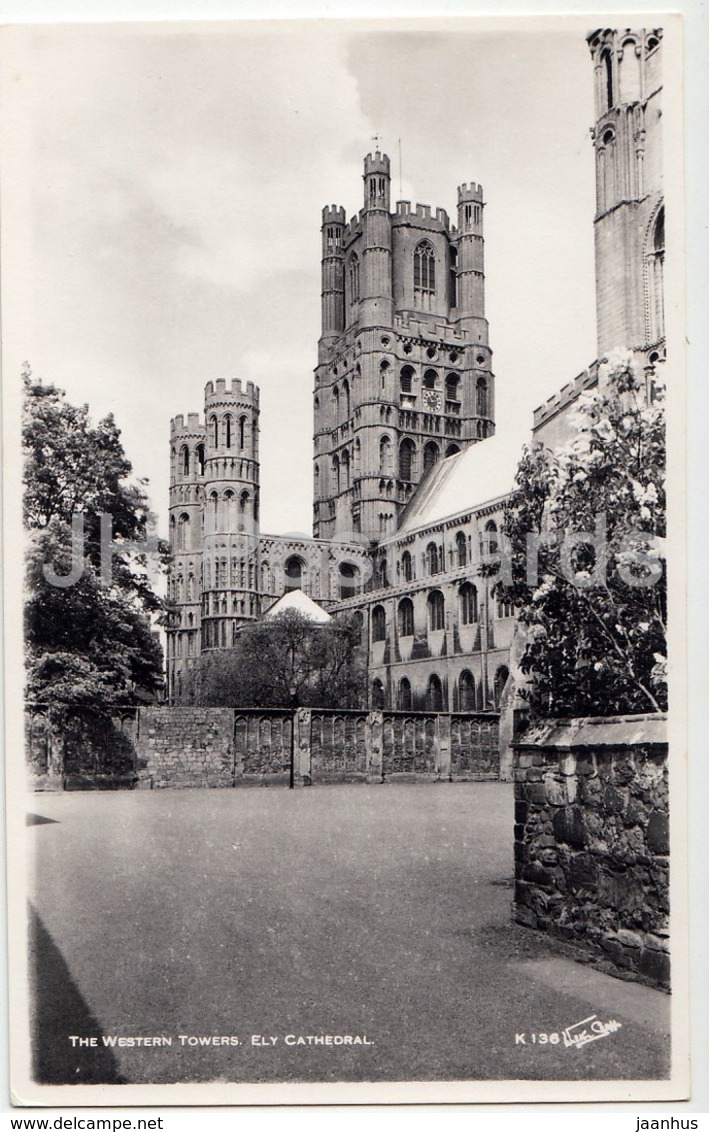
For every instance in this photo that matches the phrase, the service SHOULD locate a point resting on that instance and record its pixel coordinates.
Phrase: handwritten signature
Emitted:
(589, 1030)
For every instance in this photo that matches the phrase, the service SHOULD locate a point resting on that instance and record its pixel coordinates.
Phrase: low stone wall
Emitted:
(81, 749)
(592, 837)
(164, 746)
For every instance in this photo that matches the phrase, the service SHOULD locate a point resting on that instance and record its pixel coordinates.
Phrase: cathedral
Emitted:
(410, 480)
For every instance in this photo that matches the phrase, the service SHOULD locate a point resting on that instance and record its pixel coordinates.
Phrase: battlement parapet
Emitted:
(221, 388)
(379, 163)
(566, 395)
(471, 191)
(195, 425)
(420, 215)
(334, 214)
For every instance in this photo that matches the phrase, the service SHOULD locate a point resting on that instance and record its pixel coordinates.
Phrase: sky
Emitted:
(169, 185)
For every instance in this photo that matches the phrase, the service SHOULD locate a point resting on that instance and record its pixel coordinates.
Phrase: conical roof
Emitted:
(301, 603)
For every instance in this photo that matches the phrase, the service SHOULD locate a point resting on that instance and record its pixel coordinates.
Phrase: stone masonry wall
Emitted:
(166, 746)
(592, 837)
(185, 746)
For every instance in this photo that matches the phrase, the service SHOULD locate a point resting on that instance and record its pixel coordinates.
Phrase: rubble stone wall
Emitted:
(592, 837)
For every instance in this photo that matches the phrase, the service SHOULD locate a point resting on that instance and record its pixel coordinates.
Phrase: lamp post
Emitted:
(293, 691)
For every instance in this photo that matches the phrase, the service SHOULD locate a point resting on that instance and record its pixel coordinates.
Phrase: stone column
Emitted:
(302, 723)
(375, 746)
(443, 746)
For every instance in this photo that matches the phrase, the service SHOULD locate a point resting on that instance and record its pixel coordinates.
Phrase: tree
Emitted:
(583, 536)
(280, 662)
(89, 642)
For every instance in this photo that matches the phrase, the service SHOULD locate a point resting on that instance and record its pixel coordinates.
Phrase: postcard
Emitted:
(345, 556)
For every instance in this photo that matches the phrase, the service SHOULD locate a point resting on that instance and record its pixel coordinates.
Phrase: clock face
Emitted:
(432, 400)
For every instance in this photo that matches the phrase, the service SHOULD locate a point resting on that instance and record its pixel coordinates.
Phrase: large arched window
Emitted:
(404, 700)
(468, 603)
(379, 623)
(346, 398)
(200, 457)
(407, 566)
(501, 677)
(424, 267)
(406, 379)
(434, 694)
(466, 691)
(385, 456)
(348, 579)
(183, 532)
(607, 62)
(430, 455)
(430, 379)
(461, 549)
(213, 511)
(629, 72)
(345, 470)
(214, 425)
(407, 456)
(505, 607)
(406, 617)
(436, 611)
(432, 559)
(481, 400)
(294, 573)
(242, 432)
(452, 383)
(335, 475)
(489, 539)
(185, 460)
(227, 431)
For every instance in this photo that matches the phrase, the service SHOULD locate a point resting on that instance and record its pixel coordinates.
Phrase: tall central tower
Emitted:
(404, 373)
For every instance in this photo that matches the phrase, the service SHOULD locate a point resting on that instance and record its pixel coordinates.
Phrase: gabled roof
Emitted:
(479, 475)
(301, 603)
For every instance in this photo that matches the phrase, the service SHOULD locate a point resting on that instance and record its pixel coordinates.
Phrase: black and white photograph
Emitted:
(344, 398)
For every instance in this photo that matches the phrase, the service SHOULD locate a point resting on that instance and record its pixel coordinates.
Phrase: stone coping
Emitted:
(596, 731)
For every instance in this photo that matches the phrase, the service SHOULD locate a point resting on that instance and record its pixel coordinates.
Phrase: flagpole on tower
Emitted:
(401, 190)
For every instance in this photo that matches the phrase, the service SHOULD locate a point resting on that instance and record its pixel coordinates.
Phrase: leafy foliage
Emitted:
(280, 662)
(88, 643)
(594, 616)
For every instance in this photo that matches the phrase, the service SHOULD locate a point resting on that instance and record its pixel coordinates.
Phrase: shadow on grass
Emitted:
(59, 1010)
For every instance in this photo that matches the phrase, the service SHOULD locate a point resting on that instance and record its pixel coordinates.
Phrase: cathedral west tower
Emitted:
(404, 373)
(630, 218)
